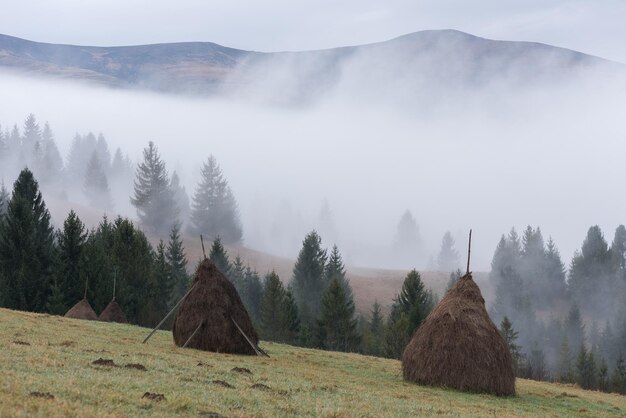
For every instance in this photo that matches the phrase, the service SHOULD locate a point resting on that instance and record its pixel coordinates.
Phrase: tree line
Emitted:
(92, 174)
(566, 325)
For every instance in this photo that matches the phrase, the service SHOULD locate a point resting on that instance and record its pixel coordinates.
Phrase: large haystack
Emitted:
(113, 313)
(213, 302)
(458, 346)
(82, 310)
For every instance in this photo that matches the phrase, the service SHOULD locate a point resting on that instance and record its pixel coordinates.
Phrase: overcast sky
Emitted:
(592, 26)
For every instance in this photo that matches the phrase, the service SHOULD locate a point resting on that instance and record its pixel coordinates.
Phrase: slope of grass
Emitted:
(47, 370)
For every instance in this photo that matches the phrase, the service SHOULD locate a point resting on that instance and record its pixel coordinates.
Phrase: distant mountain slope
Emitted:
(440, 58)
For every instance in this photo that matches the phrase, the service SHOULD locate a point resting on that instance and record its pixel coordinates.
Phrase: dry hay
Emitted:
(82, 310)
(113, 313)
(458, 346)
(212, 303)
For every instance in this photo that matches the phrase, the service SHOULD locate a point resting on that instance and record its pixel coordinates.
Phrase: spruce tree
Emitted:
(238, 275)
(565, 369)
(219, 257)
(397, 334)
(164, 284)
(290, 319)
(27, 250)
(510, 336)
(454, 277)
(96, 186)
(309, 281)
(336, 269)
(618, 379)
(376, 331)
(181, 198)
(337, 324)
(153, 197)
(407, 242)
(603, 376)
(448, 258)
(175, 256)
(586, 368)
(214, 210)
(71, 275)
(103, 153)
(271, 308)
(31, 138)
(253, 293)
(574, 327)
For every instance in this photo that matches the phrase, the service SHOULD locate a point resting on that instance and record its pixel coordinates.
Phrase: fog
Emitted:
(507, 154)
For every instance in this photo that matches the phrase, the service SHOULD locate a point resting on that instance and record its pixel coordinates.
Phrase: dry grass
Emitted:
(54, 376)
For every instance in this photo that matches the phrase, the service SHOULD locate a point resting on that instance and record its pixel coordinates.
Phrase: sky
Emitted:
(592, 26)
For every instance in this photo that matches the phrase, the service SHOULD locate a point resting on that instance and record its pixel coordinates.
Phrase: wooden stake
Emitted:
(256, 349)
(169, 313)
(469, 252)
(193, 334)
(202, 242)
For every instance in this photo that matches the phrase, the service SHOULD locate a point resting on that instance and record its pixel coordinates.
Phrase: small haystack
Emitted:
(210, 312)
(113, 313)
(458, 346)
(82, 310)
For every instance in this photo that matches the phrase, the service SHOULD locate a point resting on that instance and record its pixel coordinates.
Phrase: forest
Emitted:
(562, 323)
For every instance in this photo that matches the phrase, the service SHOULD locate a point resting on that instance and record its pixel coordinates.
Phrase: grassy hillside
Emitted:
(48, 370)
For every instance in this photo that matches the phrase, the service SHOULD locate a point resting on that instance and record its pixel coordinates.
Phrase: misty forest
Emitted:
(564, 320)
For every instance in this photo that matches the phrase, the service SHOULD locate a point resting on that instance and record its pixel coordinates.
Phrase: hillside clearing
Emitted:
(48, 369)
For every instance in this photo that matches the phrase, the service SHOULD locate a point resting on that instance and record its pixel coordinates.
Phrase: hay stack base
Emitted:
(458, 346)
(113, 313)
(212, 306)
(82, 310)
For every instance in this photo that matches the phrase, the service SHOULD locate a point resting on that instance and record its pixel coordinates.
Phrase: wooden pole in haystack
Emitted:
(469, 252)
(193, 334)
(202, 242)
(169, 313)
(256, 349)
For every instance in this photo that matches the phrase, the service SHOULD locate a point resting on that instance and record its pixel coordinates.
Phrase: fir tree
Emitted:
(603, 376)
(31, 138)
(375, 332)
(175, 256)
(574, 327)
(153, 197)
(308, 281)
(586, 368)
(219, 257)
(96, 185)
(565, 371)
(618, 379)
(271, 308)
(181, 198)
(164, 283)
(397, 335)
(448, 258)
(71, 275)
(27, 251)
(214, 210)
(56, 302)
(103, 153)
(338, 327)
(510, 336)
(407, 243)
(336, 269)
(238, 274)
(253, 293)
(290, 318)
(454, 277)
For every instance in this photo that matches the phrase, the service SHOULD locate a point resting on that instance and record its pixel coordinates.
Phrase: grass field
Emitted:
(47, 370)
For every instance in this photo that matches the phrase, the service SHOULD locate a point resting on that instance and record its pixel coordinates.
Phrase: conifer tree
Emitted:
(336, 269)
(219, 257)
(618, 379)
(253, 293)
(181, 198)
(586, 368)
(603, 376)
(565, 371)
(56, 302)
(31, 138)
(290, 318)
(164, 283)
(309, 281)
(337, 324)
(214, 210)
(407, 243)
(175, 256)
(103, 153)
(238, 274)
(448, 258)
(71, 275)
(618, 252)
(27, 250)
(96, 185)
(409, 309)
(375, 332)
(454, 277)
(271, 308)
(153, 196)
(510, 336)
(574, 327)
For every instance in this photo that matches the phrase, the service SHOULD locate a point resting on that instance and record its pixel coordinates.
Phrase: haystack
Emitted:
(214, 306)
(113, 313)
(458, 346)
(82, 310)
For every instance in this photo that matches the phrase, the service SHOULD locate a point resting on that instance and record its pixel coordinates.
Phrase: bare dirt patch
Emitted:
(223, 384)
(157, 397)
(104, 362)
(42, 395)
(20, 342)
(136, 366)
(202, 364)
(261, 386)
